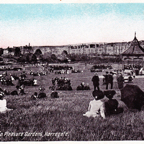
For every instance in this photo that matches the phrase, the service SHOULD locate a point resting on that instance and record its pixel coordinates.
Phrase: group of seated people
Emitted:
(83, 86)
(99, 108)
(101, 66)
(134, 66)
(56, 67)
(19, 90)
(38, 73)
(61, 84)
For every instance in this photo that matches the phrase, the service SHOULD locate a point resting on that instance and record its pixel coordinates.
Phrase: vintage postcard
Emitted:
(71, 71)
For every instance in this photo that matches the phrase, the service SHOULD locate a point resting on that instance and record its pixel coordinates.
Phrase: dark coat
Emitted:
(106, 78)
(111, 106)
(110, 78)
(42, 95)
(95, 80)
(120, 81)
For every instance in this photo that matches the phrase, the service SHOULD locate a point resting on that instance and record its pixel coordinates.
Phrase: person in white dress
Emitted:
(3, 104)
(96, 108)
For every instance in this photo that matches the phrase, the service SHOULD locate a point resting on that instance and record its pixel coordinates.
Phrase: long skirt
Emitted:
(120, 85)
(115, 85)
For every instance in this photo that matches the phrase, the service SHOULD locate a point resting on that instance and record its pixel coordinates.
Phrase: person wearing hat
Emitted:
(120, 81)
(107, 79)
(3, 104)
(96, 108)
(95, 81)
(110, 79)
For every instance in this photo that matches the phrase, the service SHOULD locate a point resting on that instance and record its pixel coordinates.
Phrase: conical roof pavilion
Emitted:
(135, 49)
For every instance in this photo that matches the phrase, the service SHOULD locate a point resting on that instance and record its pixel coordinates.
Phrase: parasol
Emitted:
(132, 96)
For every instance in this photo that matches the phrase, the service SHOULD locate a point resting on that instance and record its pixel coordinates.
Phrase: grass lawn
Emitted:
(62, 119)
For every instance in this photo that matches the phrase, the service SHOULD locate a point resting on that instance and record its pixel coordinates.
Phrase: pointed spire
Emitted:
(135, 34)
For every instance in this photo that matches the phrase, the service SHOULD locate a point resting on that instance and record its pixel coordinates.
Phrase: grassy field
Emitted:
(62, 119)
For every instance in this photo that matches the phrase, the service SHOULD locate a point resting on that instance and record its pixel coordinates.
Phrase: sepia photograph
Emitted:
(71, 71)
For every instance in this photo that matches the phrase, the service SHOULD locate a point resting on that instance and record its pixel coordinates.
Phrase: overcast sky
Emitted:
(65, 23)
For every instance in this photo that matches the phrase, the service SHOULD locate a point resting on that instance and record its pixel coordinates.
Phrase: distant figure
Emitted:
(87, 87)
(82, 85)
(95, 81)
(96, 108)
(110, 79)
(34, 82)
(41, 93)
(54, 94)
(34, 96)
(21, 90)
(115, 83)
(120, 81)
(107, 80)
(3, 104)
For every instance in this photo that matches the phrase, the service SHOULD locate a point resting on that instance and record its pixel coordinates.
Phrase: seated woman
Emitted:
(111, 106)
(96, 108)
(3, 104)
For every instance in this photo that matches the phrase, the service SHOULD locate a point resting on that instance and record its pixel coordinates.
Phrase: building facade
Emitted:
(87, 49)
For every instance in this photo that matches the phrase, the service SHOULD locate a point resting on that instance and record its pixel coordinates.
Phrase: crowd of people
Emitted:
(101, 66)
(134, 66)
(52, 68)
(96, 107)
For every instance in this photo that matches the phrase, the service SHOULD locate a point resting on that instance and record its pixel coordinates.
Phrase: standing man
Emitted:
(95, 81)
(107, 80)
(111, 79)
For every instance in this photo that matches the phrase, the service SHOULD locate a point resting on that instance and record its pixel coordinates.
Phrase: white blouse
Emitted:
(3, 107)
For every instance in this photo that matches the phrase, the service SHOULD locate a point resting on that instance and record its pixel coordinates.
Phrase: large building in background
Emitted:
(116, 48)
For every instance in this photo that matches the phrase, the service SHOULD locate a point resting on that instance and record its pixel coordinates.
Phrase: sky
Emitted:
(70, 23)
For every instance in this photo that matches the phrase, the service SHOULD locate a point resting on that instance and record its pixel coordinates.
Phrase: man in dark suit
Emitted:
(111, 79)
(95, 81)
(106, 79)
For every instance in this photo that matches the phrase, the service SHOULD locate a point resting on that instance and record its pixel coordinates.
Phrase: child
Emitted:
(96, 108)
(3, 103)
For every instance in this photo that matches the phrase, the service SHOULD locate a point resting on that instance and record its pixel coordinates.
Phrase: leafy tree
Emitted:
(1, 51)
(17, 51)
(38, 52)
(53, 58)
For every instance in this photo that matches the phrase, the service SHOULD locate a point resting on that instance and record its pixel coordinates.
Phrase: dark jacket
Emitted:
(110, 78)
(95, 80)
(106, 78)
